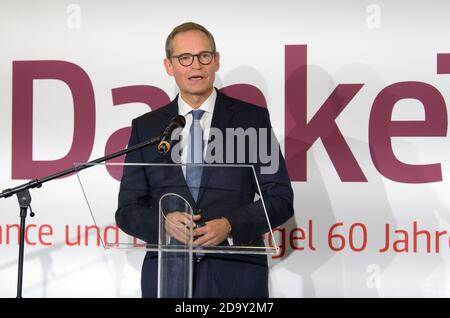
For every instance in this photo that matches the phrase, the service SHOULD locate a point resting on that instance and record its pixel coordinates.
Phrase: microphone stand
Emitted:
(23, 195)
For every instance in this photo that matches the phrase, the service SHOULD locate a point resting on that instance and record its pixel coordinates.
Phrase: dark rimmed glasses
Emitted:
(186, 59)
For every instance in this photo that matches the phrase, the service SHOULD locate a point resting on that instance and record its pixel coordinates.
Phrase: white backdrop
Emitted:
(121, 43)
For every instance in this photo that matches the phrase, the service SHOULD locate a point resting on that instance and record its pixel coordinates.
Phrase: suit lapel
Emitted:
(222, 119)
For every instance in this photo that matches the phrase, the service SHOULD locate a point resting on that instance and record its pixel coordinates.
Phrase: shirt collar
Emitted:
(208, 105)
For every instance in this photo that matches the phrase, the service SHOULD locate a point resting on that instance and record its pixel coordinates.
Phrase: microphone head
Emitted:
(179, 120)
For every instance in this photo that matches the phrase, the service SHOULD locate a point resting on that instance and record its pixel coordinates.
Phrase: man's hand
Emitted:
(180, 225)
(212, 233)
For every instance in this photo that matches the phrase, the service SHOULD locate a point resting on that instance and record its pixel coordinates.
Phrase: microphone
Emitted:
(166, 137)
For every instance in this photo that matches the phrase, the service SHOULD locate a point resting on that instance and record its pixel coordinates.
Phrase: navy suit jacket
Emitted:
(141, 188)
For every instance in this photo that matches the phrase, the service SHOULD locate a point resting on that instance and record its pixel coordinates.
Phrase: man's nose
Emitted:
(196, 62)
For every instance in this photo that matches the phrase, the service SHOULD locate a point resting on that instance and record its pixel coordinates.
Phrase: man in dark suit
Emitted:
(227, 217)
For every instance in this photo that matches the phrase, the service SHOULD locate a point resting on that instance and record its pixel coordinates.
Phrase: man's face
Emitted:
(196, 80)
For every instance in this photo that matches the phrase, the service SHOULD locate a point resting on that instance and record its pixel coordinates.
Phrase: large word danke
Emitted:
(300, 134)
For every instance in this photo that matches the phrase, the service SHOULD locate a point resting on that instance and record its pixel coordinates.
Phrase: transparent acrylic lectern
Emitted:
(161, 214)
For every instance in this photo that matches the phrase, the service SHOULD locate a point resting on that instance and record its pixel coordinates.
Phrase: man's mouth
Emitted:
(196, 78)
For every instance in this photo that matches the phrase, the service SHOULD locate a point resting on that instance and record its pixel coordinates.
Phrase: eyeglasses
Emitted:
(186, 59)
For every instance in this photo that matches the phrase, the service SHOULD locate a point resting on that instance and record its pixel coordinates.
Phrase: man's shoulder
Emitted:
(156, 115)
(241, 106)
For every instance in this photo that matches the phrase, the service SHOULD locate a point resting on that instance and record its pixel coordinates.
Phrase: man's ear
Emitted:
(217, 61)
(168, 65)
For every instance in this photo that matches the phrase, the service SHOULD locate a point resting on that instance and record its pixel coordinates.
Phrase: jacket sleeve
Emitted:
(136, 215)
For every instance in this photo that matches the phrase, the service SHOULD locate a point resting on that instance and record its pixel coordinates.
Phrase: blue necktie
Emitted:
(195, 154)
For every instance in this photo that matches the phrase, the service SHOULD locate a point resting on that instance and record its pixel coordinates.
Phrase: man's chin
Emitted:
(200, 92)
